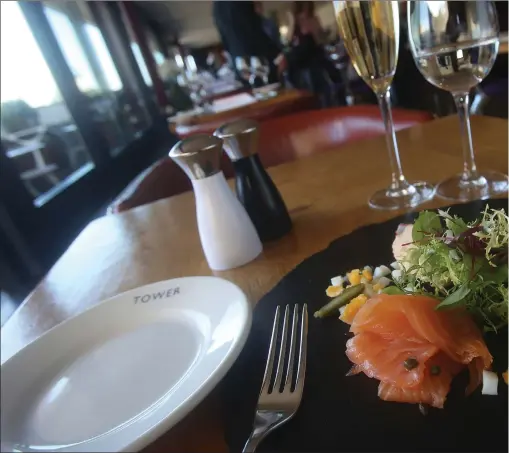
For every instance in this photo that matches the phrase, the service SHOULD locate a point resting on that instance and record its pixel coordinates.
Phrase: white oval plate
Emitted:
(119, 375)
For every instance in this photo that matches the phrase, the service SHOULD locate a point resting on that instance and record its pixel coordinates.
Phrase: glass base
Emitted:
(489, 184)
(390, 200)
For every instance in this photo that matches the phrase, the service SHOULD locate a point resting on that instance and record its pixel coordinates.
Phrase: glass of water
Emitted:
(259, 72)
(454, 45)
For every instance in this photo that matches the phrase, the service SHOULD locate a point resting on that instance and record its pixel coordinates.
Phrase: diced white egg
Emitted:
(342, 310)
(395, 265)
(381, 271)
(337, 281)
(489, 383)
(383, 282)
(368, 268)
(396, 274)
(403, 241)
(368, 290)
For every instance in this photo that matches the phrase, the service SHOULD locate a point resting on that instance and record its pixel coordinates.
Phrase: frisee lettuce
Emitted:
(460, 263)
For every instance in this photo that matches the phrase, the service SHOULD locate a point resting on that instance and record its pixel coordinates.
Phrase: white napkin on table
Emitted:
(232, 102)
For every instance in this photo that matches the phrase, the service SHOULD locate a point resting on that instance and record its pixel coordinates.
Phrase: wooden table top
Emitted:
(503, 46)
(216, 119)
(326, 195)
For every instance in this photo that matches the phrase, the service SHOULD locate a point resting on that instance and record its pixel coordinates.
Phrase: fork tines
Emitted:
(287, 368)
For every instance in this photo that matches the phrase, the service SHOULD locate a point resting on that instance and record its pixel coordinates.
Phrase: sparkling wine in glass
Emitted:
(454, 45)
(370, 32)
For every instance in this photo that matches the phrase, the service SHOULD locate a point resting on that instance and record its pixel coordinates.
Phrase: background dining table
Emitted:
(326, 195)
(286, 101)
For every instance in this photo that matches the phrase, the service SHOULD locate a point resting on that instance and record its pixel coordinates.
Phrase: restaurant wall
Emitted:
(325, 14)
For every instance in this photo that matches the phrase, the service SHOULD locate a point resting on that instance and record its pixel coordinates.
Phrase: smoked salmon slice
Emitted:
(415, 350)
(378, 357)
(433, 388)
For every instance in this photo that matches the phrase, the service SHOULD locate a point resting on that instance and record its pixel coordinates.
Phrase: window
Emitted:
(37, 131)
(73, 51)
(158, 57)
(154, 48)
(110, 72)
(114, 109)
(77, 124)
(27, 60)
(138, 55)
(141, 63)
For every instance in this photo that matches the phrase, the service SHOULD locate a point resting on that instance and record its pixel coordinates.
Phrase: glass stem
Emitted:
(399, 181)
(462, 102)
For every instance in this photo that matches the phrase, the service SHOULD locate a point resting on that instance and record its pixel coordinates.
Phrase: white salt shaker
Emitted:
(228, 236)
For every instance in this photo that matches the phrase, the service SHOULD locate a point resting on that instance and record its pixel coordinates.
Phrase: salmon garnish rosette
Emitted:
(415, 350)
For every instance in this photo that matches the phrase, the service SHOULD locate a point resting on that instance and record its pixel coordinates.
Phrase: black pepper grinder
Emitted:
(255, 189)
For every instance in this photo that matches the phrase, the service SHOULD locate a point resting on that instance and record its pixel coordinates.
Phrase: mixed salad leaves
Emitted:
(459, 263)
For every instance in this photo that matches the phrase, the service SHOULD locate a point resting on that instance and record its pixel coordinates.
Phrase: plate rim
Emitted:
(188, 404)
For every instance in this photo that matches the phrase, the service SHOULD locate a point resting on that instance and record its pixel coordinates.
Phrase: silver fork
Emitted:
(276, 406)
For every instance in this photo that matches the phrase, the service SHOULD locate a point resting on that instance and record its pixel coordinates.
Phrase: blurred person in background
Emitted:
(243, 34)
(499, 69)
(269, 26)
(308, 65)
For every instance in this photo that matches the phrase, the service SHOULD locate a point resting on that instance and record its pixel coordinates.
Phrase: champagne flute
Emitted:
(370, 32)
(454, 45)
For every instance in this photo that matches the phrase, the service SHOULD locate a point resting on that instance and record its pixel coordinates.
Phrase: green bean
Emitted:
(344, 298)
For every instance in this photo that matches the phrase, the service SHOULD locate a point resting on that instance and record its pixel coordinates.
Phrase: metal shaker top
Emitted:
(240, 138)
(199, 156)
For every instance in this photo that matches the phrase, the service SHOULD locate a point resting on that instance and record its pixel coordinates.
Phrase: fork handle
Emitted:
(254, 439)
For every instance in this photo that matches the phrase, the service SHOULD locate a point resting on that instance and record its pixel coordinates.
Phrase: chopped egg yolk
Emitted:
(352, 308)
(367, 274)
(377, 287)
(354, 277)
(333, 291)
(504, 375)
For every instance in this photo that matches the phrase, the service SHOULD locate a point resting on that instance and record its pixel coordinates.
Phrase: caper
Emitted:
(435, 370)
(410, 363)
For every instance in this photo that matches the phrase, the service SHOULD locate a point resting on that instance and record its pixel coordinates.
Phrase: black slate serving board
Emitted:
(340, 413)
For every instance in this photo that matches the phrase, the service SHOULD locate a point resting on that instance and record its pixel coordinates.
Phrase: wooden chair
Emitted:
(282, 139)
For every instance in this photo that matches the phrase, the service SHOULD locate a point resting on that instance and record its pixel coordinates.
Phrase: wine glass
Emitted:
(259, 72)
(370, 33)
(242, 64)
(197, 92)
(454, 45)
